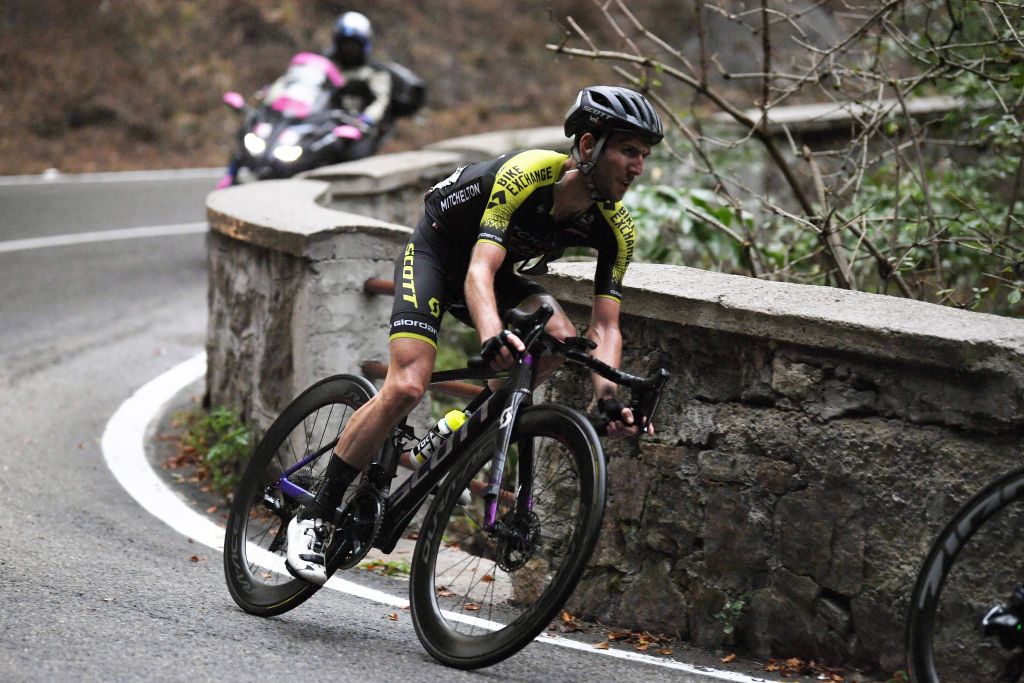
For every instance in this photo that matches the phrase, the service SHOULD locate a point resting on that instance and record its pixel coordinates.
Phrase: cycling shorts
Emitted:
(430, 280)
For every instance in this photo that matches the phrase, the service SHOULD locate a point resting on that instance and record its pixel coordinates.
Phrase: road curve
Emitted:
(92, 586)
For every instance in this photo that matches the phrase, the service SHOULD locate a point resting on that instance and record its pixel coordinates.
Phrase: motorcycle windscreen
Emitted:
(305, 87)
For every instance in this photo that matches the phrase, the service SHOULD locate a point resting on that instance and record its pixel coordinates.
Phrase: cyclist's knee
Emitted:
(559, 326)
(404, 390)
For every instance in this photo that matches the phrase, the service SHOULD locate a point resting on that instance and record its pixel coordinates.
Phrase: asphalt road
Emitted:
(93, 587)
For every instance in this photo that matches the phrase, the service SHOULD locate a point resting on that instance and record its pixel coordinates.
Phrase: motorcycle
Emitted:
(293, 129)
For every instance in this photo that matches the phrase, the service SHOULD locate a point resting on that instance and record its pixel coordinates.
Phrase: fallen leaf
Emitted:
(487, 578)
(393, 616)
(566, 617)
(471, 607)
(443, 592)
(210, 510)
(665, 651)
(728, 658)
(198, 558)
(602, 645)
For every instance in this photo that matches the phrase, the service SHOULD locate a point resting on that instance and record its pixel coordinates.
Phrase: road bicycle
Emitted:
(486, 576)
(966, 615)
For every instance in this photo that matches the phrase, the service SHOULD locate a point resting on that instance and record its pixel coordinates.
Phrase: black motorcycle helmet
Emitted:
(353, 39)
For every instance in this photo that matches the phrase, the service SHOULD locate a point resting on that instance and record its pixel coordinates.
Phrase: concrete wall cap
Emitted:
(487, 145)
(826, 317)
(286, 216)
(385, 172)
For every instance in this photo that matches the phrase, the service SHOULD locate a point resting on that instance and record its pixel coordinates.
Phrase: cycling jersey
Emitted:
(509, 202)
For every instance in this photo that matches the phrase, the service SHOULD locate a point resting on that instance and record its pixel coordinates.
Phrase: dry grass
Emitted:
(127, 84)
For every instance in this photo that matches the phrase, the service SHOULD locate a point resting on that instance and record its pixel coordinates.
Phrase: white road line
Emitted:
(53, 177)
(102, 236)
(124, 449)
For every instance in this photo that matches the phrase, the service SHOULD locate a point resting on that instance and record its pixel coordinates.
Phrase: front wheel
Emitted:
(972, 571)
(480, 595)
(255, 540)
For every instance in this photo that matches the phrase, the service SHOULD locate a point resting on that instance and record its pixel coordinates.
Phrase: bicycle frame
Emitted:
(502, 405)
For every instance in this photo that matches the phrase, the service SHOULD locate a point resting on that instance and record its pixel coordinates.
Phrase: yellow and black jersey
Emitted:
(509, 202)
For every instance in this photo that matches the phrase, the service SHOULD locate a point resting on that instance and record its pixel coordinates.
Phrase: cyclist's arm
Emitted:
(479, 288)
(604, 331)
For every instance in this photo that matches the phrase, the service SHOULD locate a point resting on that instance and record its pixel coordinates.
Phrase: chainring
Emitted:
(358, 528)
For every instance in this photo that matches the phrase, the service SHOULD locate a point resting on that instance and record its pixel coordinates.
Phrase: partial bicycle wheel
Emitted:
(255, 540)
(969, 577)
(478, 595)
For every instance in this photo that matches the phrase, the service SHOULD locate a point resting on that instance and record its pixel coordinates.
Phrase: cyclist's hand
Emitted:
(497, 351)
(621, 423)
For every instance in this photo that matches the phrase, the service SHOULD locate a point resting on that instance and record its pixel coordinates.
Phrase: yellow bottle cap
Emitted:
(455, 419)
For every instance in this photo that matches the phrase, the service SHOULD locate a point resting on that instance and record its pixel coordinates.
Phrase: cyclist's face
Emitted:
(620, 163)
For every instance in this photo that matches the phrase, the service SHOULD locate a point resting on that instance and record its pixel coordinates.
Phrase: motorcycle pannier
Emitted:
(408, 91)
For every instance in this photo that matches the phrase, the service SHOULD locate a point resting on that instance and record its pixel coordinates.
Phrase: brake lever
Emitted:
(647, 398)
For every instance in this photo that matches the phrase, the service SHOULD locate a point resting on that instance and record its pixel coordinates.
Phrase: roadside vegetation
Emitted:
(925, 206)
(212, 446)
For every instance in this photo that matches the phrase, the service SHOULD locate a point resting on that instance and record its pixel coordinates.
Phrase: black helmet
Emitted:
(606, 108)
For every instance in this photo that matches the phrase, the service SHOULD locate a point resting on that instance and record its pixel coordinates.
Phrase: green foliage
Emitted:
(221, 445)
(683, 226)
(730, 614)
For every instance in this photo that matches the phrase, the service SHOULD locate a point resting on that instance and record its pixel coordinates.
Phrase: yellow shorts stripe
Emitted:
(482, 239)
(411, 335)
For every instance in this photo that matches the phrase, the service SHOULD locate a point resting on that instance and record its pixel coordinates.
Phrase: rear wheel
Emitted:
(478, 595)
(255, 540)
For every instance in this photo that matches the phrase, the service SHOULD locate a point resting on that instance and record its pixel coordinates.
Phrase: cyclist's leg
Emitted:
(412, 361)
(416, 313)
(415, 325)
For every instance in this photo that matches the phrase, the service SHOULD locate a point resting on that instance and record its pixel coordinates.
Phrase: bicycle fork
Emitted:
(520, 394)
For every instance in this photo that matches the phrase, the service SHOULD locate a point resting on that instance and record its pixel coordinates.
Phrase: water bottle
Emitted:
(437, 434)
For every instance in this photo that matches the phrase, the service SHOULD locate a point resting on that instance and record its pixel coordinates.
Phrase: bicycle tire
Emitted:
(255, 538)
(941, 563)
(465, 597)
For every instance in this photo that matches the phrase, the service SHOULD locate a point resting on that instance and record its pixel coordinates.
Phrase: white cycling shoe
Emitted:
(307, 542)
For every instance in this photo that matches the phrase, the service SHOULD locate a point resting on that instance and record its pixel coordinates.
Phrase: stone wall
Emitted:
(812, 440)
(811, 443)
(288, 259)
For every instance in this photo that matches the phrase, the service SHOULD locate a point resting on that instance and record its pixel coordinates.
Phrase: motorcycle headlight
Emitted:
(254, 143)
(287, 153)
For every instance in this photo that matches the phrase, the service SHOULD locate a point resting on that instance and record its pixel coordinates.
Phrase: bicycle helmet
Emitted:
(353, 27)
(603, 109)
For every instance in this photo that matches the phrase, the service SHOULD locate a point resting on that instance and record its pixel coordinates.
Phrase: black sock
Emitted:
(338, 477)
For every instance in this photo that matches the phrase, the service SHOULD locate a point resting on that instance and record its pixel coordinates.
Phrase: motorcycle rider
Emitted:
(366, 92)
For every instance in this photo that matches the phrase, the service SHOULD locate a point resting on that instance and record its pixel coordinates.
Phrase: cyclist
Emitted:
(478, 224)
(366, 92)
